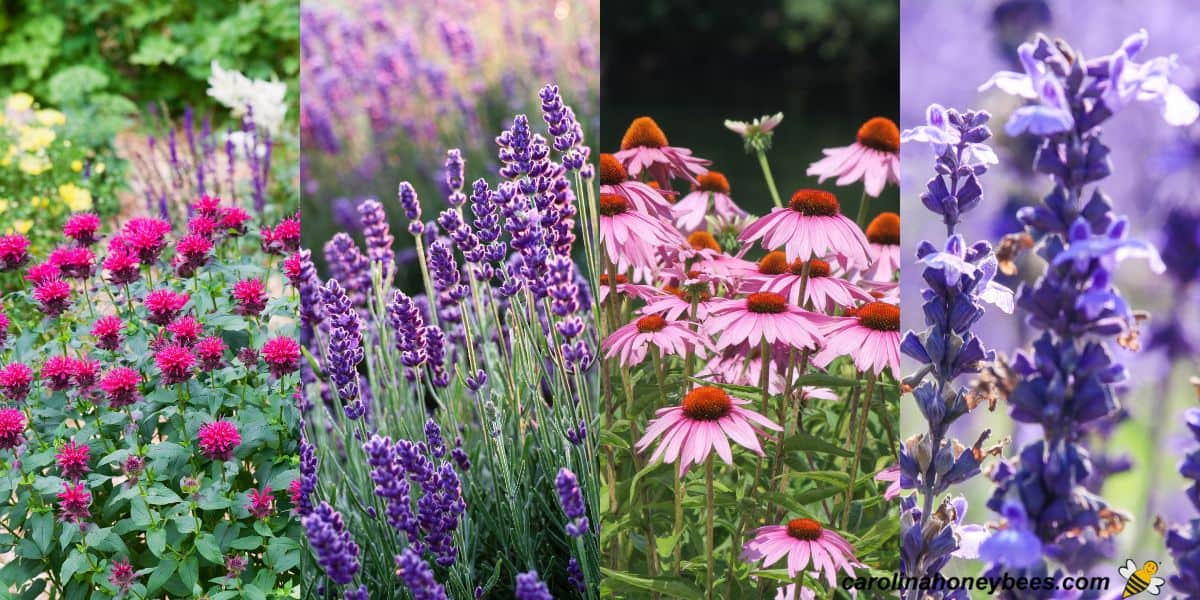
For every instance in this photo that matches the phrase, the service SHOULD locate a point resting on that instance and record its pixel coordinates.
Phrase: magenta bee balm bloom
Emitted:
(108, 332)
(57, 372)
(72, 460)
(176, 363)
(14, 252)
(74, 502)
(123, 575)
(218, 440)
(251, 297)
(12, 428)
(210, 351)
(121, 386)
(15, 380)
(262, 504)
(282, 355)
(53, 295)
(164, 305)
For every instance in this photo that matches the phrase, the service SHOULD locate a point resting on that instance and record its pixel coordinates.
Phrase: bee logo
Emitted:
(1141, 580)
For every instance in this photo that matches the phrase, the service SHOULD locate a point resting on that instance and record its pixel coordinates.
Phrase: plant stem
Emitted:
(709, 504)
(862, 211)
(858, 445)
(766, 169)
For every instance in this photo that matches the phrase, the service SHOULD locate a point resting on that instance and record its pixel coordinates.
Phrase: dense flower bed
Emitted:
(147, 425)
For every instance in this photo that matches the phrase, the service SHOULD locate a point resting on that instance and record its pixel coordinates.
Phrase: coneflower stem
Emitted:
(858, 445)
(862, 211)
(709, 504)
(766, 169)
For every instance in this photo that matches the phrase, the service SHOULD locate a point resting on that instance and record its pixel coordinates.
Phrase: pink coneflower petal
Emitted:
(704, 423)
(810, 226)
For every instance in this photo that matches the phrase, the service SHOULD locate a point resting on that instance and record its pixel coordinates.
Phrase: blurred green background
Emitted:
(829, 66)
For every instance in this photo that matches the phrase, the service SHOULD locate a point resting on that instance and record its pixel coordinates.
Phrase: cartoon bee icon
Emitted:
(1141, 580)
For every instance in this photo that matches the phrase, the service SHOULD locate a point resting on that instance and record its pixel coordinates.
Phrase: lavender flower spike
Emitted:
(959, 278)
(418, 576)
(529, 587)
(336, 552)
(571, 499)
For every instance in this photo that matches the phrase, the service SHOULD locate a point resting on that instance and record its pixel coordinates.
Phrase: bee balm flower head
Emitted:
(15, 380)
(12, 428)
(218, 440)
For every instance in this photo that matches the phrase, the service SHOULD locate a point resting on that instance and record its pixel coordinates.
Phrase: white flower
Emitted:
(265, 100)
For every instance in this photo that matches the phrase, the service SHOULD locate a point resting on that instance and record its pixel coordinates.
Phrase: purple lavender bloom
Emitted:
(529, 587)
(345, 348)
(959, 280)
(460, 456)
(409, 326)
(1068, 384)
(392, 485)
(445, 272)
(433, 436)
(336, 552)
(308, 477)
(571, 499)
(407, 195)
(1183, 541)
(454, 177)
(575, 575)
(359, 593)
(418, 576)
(378, 237)
(1014, 546)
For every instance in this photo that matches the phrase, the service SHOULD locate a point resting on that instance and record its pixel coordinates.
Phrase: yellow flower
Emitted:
(77, 165)
(35, 138)
(98, 168)
(3, 205)
(33, 165)
(77, 198)
(50, 117)
(39, 201)
(21, 226)
(19, 102)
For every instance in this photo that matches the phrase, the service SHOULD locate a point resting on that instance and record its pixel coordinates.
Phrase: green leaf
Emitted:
(162, 573)
(250, 542)
(76, 562)
(156, 540)
(166, 451)
(97, 536)
(42, 528)
(189, 572)
(207, 546)
(159, 494)
(139, 512)
(608, 438)
(801, 441)
(157, 50)
(670, 586)
(73, 84)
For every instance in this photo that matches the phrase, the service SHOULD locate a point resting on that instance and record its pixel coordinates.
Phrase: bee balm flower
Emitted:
(54, 297)
(82, 228)
(107, 332)
(72, 460)
(15, 380)
(282, 355)
(74, 502)
(251, 297)
(121, 386)
(164, 305)
(218, 440)
(12, 428)
(14, 252)
(176, 362)
(262, 504)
